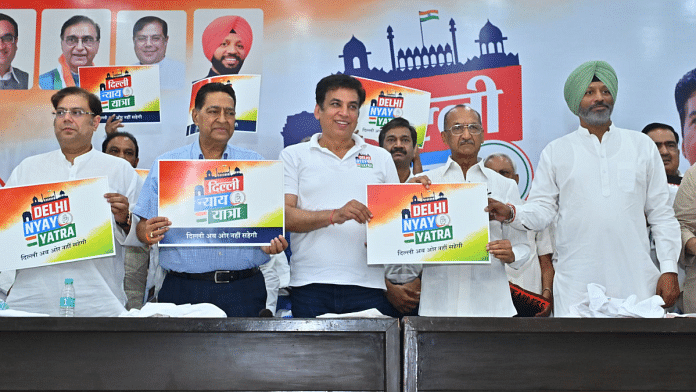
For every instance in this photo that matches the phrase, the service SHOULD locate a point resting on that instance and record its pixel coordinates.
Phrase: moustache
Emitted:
(232, 55)
(599, 105)
(398, 149)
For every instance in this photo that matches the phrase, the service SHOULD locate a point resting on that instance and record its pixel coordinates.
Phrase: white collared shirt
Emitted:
(480, 290)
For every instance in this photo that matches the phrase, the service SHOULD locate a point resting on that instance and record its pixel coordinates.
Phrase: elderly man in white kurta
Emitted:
(480, 290)
(603, 182)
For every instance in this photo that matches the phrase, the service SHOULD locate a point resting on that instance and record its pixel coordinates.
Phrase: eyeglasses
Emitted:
(458, 129)
(8, 39)
(155, 39)
(672, 146)
(87, 40)
(74, 113)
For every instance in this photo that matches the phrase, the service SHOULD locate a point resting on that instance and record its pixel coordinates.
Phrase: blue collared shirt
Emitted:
(201, 258)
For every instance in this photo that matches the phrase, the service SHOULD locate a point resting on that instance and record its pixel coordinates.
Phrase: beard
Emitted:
(224, 70)
(592, 117)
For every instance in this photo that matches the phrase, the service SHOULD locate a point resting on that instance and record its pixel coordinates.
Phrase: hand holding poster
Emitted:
(131, 92)
(221, 203)
(445, 224)
(385, 101)
(247, 88)
(53, 223)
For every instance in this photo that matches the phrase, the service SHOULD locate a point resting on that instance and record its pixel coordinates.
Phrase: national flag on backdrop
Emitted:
(427, 15)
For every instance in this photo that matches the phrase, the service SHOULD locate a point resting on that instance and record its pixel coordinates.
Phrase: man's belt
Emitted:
(218, 276)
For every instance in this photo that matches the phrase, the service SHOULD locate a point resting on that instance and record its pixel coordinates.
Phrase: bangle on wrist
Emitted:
(546, 289)
(331, 218)
(513, 212)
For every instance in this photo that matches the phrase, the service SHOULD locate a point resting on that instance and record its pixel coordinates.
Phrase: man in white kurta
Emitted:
(98, 282)
(480, 290)
(602, 182)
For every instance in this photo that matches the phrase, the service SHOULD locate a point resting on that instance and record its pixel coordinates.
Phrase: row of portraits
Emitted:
(221, 43)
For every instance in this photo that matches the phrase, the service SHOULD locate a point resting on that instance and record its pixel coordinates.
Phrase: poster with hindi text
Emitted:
(221, 202)
(55, 223)
(247, 89)
(445, 224)
(386, 101)
(131, 92)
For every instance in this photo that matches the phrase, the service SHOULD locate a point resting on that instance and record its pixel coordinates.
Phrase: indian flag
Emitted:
(427, 15)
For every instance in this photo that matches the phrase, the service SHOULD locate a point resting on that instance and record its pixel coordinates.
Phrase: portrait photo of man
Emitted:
(11, 78)
(80, 39)
(226, 43)
(150, 44)
(685, 98)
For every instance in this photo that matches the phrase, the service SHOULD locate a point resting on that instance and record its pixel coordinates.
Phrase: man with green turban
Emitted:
(600, 183)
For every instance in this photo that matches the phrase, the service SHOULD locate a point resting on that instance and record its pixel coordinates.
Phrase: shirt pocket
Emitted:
(627, 176)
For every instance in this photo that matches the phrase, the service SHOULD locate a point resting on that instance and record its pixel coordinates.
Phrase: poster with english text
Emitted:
(445, 224)
(54, 223)
(386, 101)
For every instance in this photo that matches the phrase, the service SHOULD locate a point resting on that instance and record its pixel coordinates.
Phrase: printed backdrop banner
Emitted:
(221, 203)
(131, 92)
(247, 89)
(386, 101)
(55, 223)
(445, 224)
(508, 59)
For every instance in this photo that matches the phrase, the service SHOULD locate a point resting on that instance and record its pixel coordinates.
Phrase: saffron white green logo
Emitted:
(426, 220)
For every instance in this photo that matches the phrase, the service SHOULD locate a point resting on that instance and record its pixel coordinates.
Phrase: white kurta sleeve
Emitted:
(518, 238)
(663, 225)
(542, 205)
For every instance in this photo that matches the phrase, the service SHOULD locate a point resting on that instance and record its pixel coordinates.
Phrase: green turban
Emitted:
(577, 82)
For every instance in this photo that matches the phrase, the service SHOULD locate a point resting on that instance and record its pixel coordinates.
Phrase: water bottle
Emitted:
(67, 300)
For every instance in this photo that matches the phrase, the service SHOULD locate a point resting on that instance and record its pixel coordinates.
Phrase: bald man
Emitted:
(226, 43)
(602, 182)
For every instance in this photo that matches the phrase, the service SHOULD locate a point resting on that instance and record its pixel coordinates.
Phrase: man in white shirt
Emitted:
(602, 182)
(325, 197)
(473, 290)
(98, 282)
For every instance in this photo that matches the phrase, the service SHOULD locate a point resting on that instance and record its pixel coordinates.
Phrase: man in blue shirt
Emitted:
(227, 277)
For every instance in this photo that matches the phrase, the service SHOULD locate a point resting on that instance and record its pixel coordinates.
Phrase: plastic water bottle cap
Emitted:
(68, 281)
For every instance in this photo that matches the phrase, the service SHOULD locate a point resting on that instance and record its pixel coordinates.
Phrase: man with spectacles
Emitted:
(473, 290)
(79, 41)
(98, 282)
(150, 44)
(602, 183)
(11, 78)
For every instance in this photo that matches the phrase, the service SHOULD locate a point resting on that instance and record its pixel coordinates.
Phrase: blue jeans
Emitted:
(239, 298)
(316, 299)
